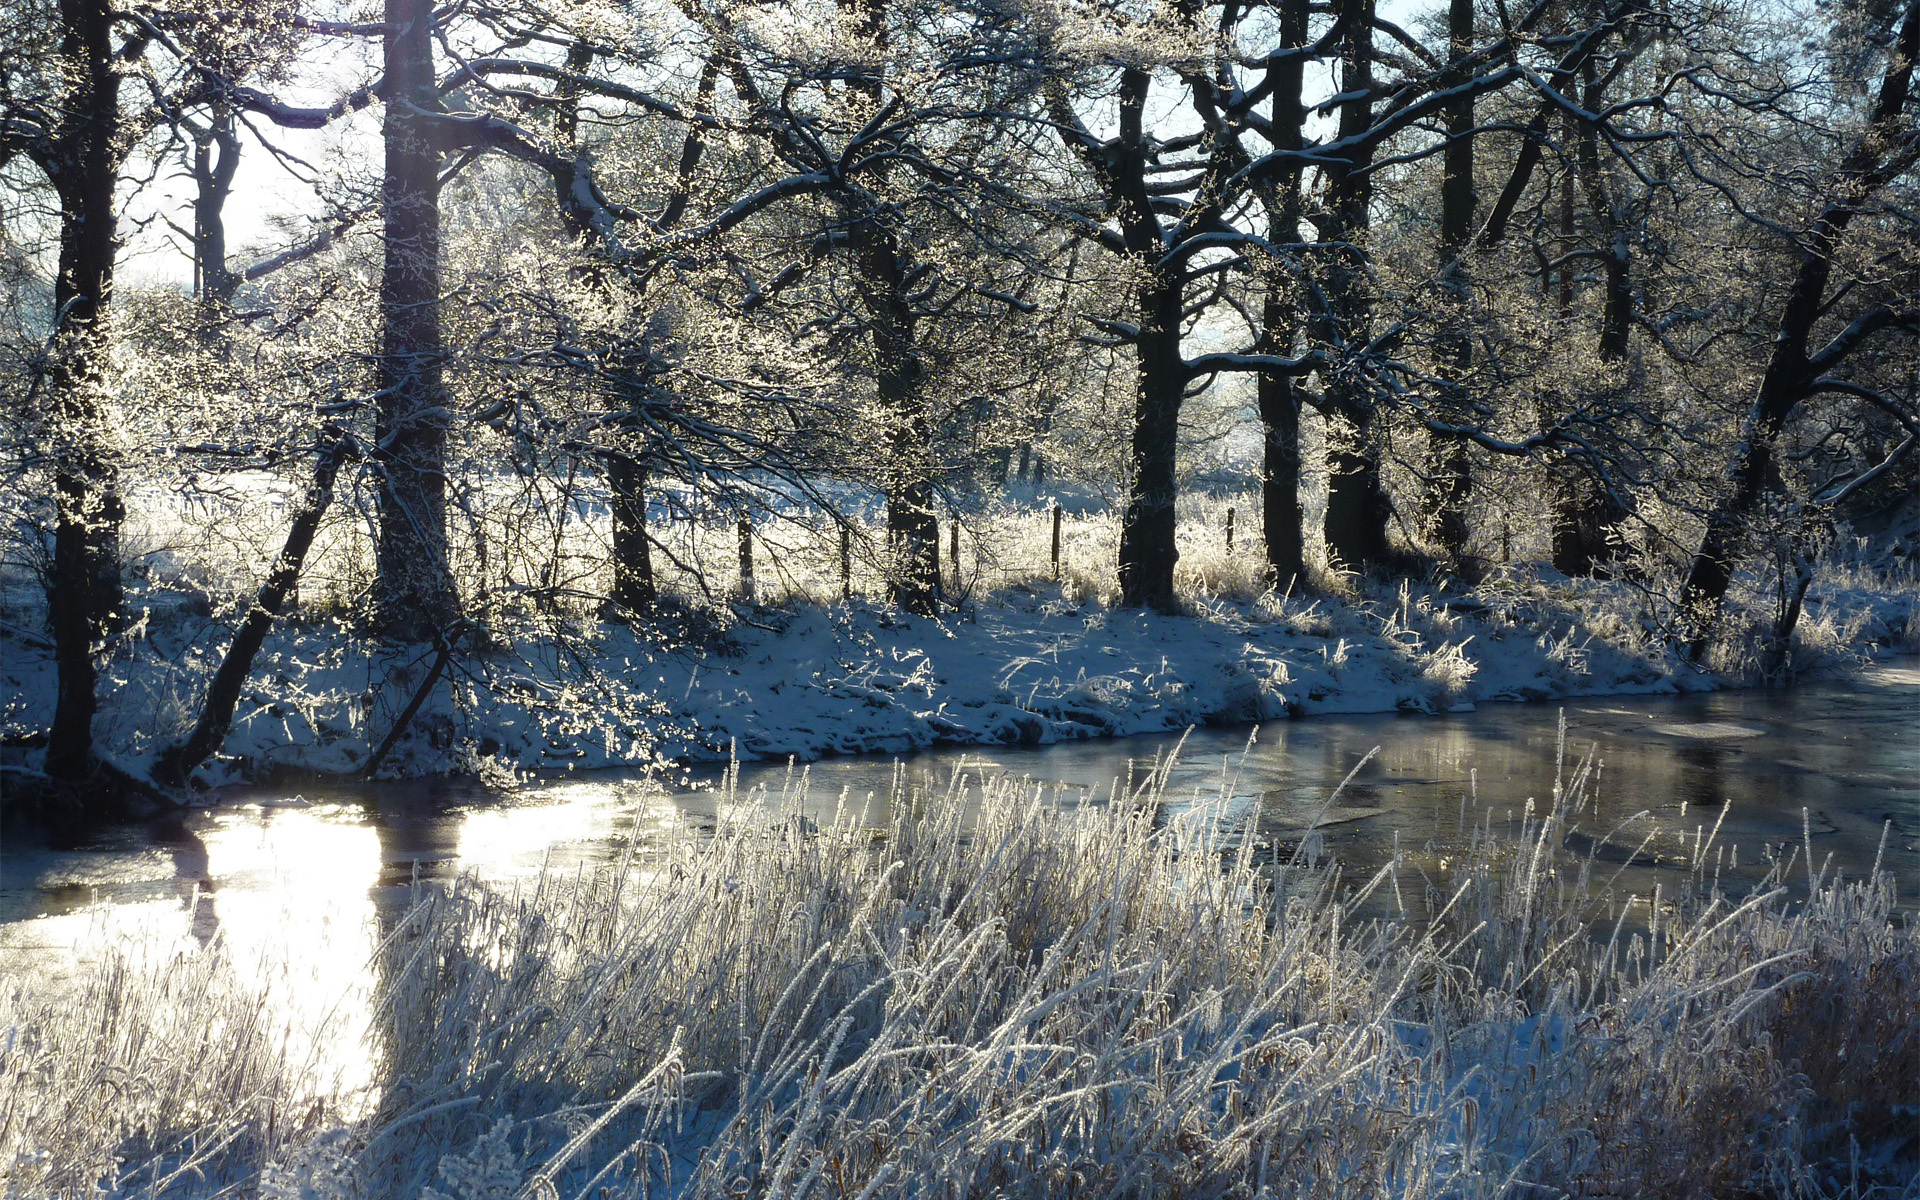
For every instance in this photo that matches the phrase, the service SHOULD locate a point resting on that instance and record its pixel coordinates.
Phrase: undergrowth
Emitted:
(1001, 993)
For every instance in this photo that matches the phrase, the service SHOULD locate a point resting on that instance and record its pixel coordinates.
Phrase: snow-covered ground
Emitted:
(1030, 663)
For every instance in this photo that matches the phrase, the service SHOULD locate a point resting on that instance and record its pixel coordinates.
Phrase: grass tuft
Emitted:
(1001, 993)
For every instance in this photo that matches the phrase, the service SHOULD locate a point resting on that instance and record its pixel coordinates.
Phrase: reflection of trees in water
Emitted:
(1702, 779)
(192, 873)
(418, 827)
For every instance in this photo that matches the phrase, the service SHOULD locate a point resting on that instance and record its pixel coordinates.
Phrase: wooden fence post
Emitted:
(746, 560)
(846, 563)
(1056, 540)
(1229, 532)
(953, 551)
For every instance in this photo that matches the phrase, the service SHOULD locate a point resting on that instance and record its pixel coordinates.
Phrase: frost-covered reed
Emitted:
(1001, 993)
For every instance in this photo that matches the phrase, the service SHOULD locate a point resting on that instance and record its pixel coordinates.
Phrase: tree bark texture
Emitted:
(414, 590)
(900, 375)
(1358, 509)
(1586, 522)
(913, 531)
(1282, 520)
(1148, 547)
(634, 590)
(216, 158)
(84, 594)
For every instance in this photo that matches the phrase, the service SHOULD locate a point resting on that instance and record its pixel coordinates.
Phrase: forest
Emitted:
(405, 395)
(373, 371)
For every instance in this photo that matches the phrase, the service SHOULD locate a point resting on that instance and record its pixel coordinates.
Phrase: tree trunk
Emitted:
(748, 591)
(216, 156)
(84, 593)
(1753, 470)
(1452, 485)
(1776, 662)
(1586, 522)
(1282, 520)
(913, 533)
(1148, 550)
(1358, 510)
(634, 590)
(1587, 533)
(1281, 516)
(414, 591)
(216, 716)
(913, 527)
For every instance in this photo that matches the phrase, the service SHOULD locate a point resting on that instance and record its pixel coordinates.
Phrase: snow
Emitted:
(1029, 664)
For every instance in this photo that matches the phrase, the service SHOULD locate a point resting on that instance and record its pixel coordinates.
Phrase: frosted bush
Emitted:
(487, 1171)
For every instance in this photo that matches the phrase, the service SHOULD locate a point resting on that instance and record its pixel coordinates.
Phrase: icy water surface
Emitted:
(297, 888)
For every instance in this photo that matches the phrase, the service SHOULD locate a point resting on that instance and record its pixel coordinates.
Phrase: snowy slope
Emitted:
(1029, 665)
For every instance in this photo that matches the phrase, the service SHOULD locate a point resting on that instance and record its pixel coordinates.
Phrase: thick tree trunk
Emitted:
(634, 591)
(1358, 510)
(913, 535)
(1586, 523)
(913, 527)
(177, 762)
(1282, 519)
(85, 597)
(1452, 492)
(1148, 550)
(414, 591)
(1281, 516)
(913, 532)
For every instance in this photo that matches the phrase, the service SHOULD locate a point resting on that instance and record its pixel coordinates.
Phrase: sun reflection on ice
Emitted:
(567, 828)
(294, 908)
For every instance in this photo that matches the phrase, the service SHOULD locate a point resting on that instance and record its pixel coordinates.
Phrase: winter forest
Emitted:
(498, 389)
(551, 320)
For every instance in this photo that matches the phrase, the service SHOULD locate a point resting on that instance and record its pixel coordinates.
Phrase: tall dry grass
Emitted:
(1004, 994)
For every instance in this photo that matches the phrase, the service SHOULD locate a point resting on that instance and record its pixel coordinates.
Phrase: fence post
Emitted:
(846, 563)
(745, 529)
(1229, 532)
(953, 551)
(1056, 539)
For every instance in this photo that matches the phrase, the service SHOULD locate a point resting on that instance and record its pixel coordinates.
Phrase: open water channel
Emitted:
(301, 886)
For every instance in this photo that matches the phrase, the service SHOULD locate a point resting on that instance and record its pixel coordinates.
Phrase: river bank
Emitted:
(1033, 664)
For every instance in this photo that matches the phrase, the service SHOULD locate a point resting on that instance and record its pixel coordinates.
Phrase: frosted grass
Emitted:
(1005, 994)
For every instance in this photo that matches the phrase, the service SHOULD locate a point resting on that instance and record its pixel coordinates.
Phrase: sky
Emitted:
(274, 204)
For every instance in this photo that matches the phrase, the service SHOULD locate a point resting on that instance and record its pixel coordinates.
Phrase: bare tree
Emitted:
(62, 110)
(1798, 368)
